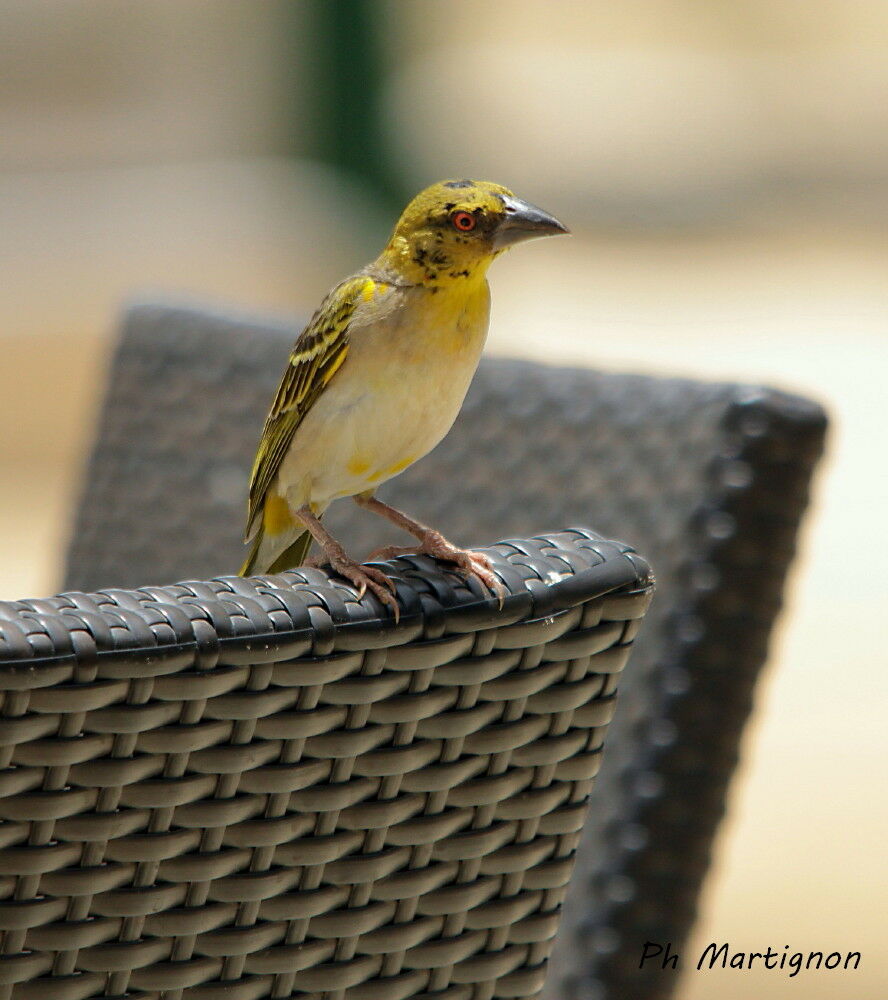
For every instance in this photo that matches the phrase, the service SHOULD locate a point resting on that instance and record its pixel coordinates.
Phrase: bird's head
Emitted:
(454, 229)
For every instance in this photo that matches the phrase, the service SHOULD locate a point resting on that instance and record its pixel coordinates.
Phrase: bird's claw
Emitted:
(468, 563)
(369, 578)
(478, 564)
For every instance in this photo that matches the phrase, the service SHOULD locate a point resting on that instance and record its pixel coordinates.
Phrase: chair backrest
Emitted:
(236, 789)
(709, 480)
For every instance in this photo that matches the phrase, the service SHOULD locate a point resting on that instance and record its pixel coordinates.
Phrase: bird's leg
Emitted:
(431, 543)
(363, 577)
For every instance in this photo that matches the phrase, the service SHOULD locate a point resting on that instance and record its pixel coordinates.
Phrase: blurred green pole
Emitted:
(344, 51)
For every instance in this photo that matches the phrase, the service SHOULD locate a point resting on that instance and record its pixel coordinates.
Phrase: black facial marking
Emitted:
(459, 184)
(449, 206)
(459, 274)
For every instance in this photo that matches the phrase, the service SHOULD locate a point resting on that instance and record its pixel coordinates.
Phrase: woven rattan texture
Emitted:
(258, 788)
(709, 481)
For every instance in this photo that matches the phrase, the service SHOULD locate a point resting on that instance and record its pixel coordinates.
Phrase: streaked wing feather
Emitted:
(316, 356)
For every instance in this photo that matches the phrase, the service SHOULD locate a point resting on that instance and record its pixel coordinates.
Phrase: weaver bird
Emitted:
(377, 379)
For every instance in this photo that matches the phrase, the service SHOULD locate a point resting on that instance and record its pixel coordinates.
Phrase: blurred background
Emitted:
(724, 167)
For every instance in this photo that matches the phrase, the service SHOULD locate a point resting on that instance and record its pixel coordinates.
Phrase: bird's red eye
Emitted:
(463, 221)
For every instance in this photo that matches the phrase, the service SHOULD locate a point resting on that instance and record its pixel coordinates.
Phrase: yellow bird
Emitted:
(377, 379)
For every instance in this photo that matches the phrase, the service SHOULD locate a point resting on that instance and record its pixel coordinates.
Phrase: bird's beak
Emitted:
(524, 221)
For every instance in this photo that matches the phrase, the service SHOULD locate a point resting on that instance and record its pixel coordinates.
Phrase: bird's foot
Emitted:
(469, 563)
(364, 578)
(392, 552)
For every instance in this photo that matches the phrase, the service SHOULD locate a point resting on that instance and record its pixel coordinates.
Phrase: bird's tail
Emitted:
(275, 553)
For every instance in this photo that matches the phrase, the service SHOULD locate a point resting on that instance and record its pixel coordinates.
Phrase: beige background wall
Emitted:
(725, 169)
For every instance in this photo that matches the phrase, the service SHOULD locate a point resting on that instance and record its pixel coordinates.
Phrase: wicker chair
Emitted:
(256, 788)
(708, 480)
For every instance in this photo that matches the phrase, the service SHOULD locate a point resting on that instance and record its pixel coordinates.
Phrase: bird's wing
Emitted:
(316, 356)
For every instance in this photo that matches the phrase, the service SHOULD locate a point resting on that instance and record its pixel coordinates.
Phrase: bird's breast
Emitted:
(397, 394)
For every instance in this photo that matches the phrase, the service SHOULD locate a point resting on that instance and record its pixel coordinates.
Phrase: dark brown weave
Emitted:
(708, 480)
(260, 788)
